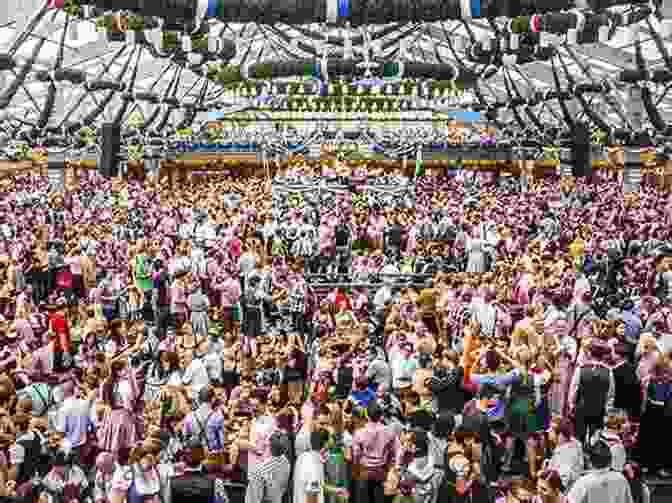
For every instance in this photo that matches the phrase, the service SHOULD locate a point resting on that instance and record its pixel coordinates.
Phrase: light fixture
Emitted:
(213, 43)
(572, 36)
(186, 43)
(603, 33)
(666, 28)
(514, 41)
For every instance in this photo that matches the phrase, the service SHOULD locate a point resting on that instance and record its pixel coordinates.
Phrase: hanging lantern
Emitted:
(73, 31)
(186, 43)
(213, 43)
(514, 41)
(572, 36)
(194, 58)
(666, 28)
(603, 33)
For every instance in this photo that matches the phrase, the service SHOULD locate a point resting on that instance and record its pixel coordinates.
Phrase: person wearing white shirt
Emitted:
(195, 374)
(601, 483)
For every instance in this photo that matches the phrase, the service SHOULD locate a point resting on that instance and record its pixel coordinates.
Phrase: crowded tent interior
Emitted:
(335, 251)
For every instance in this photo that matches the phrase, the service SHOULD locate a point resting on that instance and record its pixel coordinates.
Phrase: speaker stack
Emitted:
(109, 159)
(581, 151)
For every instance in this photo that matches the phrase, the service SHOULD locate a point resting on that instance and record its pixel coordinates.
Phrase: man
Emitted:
(73, 419)
(268, 480)
(161, 299)
(601, 483)
(379, 372)
(373, 452)
(592, 391)
(194, 485)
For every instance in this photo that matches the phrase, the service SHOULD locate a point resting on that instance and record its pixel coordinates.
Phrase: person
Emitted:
(600, 483)
(567, 458)
(194, 485)
(309, 473)
(591, 392)
(268, 481)
(373, 451)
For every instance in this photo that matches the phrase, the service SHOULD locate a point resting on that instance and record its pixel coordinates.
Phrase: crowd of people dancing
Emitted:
(329, 336)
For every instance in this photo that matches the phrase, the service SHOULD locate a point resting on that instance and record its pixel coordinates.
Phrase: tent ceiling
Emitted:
(90, 53)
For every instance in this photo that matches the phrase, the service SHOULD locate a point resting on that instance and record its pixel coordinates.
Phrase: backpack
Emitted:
(594, 382)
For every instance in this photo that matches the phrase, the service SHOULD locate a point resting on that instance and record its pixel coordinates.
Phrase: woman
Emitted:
(323, 323)
(657, 388)
(164, 372)
(199, 304)
(178, 298)
(527, 411)
(309, 472)
(121, 392)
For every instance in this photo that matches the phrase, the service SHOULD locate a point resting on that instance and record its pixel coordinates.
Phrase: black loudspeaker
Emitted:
(109, 160)
(583, 164)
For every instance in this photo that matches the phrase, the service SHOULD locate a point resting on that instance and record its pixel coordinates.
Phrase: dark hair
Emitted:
(206, 394)
(492, 360)
(279, 444)
(318, 439)
(421, 444)
(566, 428)
(374, 411)
(444, 424)
(600, 455)
(194, 453)
(554, 480)
(422, 419)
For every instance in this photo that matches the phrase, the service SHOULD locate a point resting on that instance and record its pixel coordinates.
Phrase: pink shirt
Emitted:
(75, 264)
(230, 288)
(178, 297)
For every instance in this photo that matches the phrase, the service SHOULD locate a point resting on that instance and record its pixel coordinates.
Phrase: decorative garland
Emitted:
(436, 89)
(228, 75)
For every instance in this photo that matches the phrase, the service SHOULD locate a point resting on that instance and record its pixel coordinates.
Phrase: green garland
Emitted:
(344, 104)
(199, 42)
(73, 8)
(88, 135)
(105, 23)
(136, 23)
(229, 74)
(169, 40)
(599, 137)
(136, 152)
(231, 79)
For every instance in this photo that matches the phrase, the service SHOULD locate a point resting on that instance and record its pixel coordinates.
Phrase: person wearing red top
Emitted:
(60, 330)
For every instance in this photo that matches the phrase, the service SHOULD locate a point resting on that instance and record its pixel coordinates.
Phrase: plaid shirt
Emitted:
(297, 298)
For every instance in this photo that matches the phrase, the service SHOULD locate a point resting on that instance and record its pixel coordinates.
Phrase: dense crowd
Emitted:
(330, 336)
